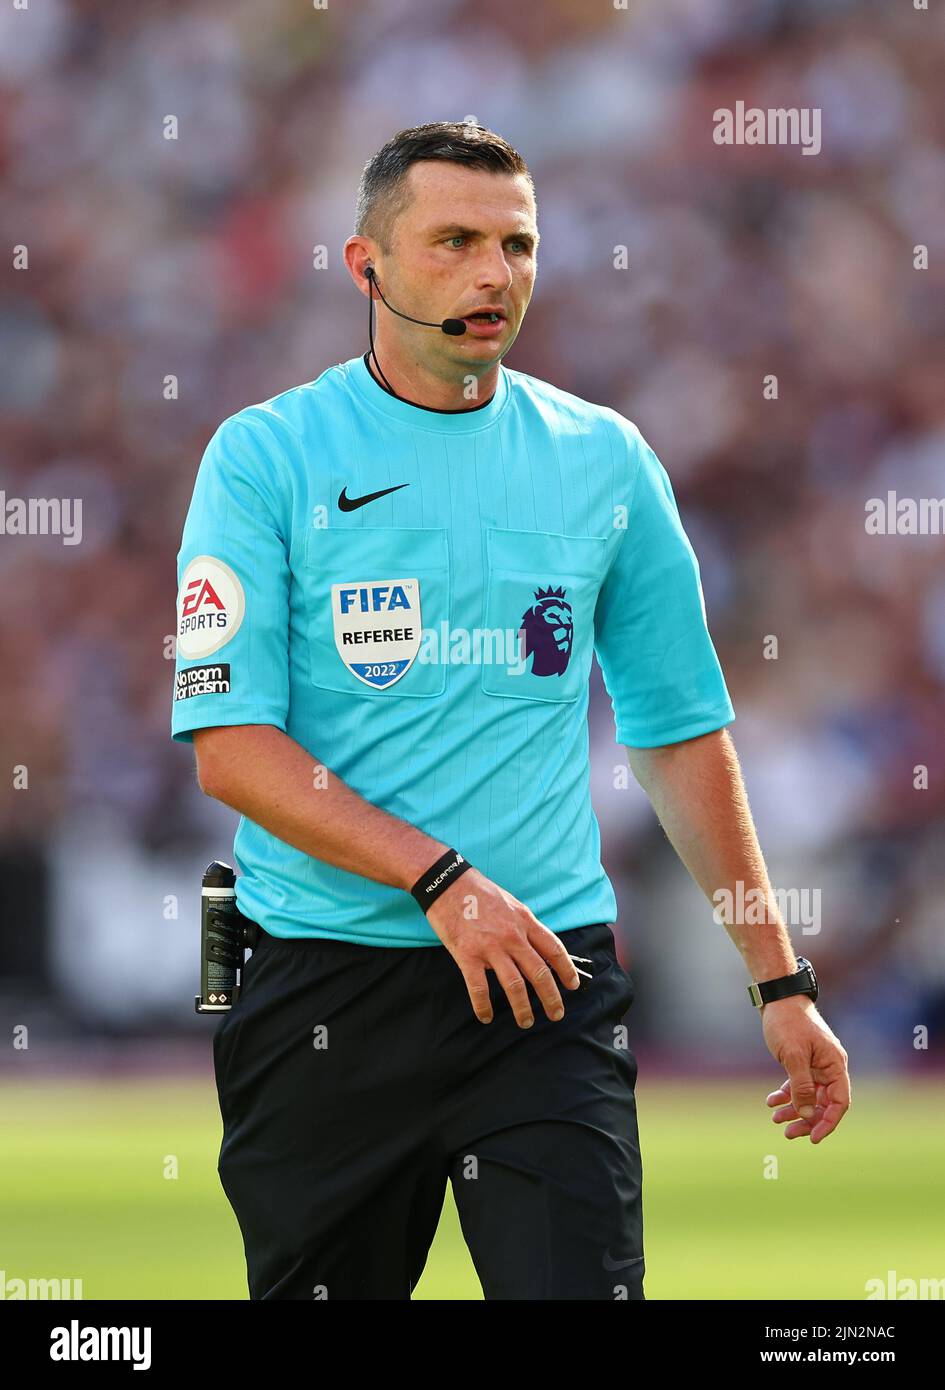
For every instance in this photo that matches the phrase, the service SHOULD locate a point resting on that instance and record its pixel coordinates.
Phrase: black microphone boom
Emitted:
(453, 327)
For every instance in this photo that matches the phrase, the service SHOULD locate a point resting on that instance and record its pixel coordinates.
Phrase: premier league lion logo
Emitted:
(548, 630)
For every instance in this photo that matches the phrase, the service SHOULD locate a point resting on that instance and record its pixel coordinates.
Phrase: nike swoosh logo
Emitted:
(351, 504)
(619, 1264)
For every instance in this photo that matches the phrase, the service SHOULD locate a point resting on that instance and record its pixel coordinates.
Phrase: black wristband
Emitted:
(438, 877)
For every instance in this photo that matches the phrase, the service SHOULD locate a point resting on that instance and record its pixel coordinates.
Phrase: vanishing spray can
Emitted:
(224, 936)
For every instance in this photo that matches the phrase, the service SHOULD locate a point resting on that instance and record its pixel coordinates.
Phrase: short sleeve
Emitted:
(232, 647)
(651, 635)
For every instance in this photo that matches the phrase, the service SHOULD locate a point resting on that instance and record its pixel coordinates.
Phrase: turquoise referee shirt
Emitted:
(415, 597)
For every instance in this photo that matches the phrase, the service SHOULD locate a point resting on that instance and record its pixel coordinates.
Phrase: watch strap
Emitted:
(803, 981)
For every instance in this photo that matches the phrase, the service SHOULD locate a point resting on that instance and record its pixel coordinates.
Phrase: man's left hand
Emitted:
(816, 1095)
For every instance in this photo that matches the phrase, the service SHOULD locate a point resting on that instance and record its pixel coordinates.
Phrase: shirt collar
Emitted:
(427, 417)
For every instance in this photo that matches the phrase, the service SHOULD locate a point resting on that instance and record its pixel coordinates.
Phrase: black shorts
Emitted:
(355, 1081)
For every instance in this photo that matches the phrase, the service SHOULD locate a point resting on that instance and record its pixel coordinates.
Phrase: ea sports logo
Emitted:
(210, 607)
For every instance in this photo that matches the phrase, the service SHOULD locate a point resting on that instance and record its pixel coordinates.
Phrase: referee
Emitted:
(392, 581)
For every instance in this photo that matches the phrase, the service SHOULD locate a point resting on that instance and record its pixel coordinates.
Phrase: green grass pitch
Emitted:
(86, 1193)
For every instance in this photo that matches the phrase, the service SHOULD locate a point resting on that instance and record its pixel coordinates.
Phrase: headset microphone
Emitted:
(451, 326)
(454, 327)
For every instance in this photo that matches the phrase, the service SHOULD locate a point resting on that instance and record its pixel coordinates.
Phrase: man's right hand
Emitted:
(485, 928)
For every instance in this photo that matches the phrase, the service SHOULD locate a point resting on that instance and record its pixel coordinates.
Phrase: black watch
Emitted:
(803, 982)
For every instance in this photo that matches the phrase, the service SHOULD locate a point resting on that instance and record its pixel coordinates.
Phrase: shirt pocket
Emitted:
(543, 587)
(370, 592)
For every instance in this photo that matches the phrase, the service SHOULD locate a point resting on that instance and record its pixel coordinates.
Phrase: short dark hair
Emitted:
(383, 194)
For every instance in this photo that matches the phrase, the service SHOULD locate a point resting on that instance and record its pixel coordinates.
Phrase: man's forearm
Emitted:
(697, 792)
(273, 781)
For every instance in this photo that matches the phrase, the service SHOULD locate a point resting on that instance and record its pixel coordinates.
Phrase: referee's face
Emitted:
(467, 239)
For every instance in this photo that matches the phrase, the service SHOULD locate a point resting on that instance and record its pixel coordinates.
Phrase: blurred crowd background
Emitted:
(193, 258)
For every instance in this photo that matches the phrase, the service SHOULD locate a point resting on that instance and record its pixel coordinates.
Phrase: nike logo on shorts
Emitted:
(619, 1264)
